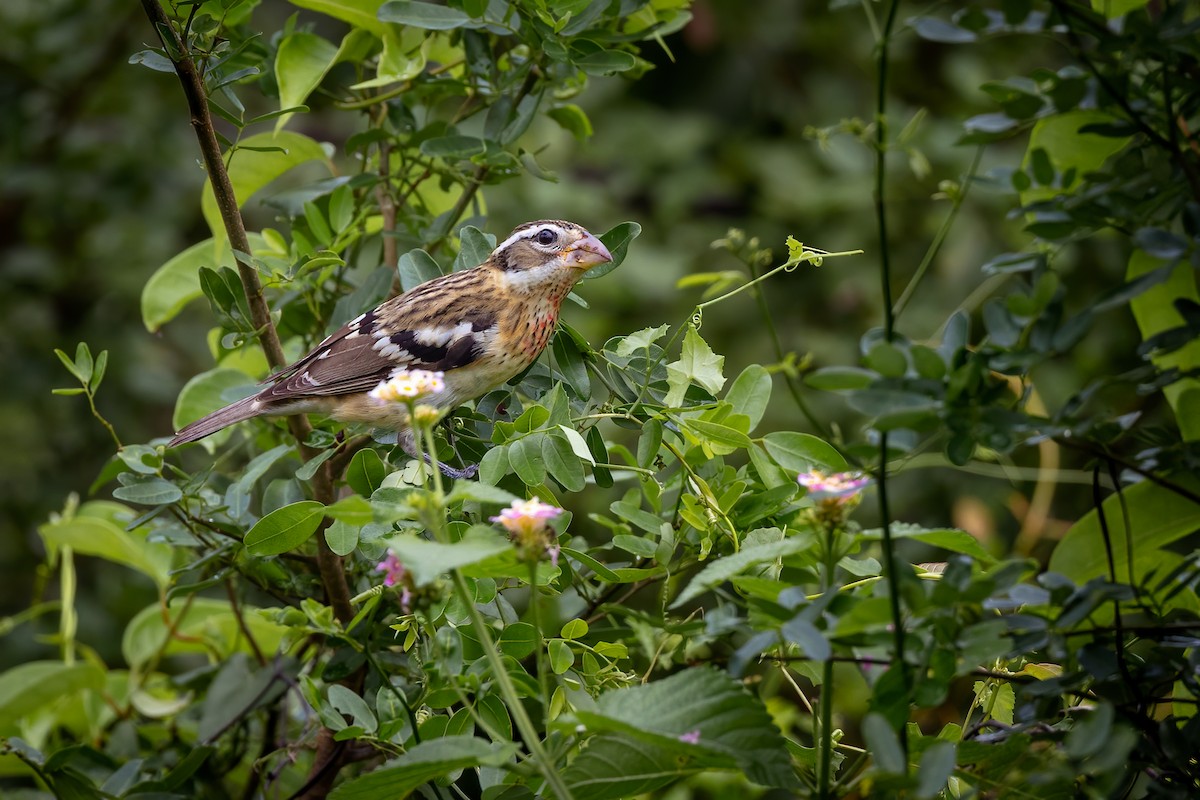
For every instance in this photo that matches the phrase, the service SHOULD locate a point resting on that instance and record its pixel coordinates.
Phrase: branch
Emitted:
(329, 564)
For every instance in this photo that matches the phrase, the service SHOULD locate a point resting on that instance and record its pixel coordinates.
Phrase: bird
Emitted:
(479, 327)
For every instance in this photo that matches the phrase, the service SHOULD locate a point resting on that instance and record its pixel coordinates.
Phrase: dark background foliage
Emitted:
(99, 181)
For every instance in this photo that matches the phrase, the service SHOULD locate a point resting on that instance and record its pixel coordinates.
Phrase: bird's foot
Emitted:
(456, 473)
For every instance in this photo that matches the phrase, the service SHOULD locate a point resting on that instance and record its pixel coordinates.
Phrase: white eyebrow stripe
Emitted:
(528, 233)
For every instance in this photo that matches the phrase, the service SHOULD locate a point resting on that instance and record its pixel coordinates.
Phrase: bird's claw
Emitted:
(459, 474)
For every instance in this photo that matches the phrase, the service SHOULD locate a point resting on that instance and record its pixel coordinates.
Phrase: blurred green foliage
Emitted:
(741, 130)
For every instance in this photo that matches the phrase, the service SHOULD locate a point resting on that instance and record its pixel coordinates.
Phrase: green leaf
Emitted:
(417, 267)
(453, 147)
(887, 359)
(883, 744)
(342, 537)
(562, 463)
(366, 472)
(423, 15)
(234, 692)
(569, 360)
(952, 539)
(347, 702)
(720, 434)
(750, 393)
(148, 490)
(207, 392)
(251, 170)
(722, 569)
(480, 493)
(561, 657)
(637, 545)
(573, 120)
(422, 763)
(801, 452)
(525, 457)
(697, 364)
(518, 640)
(475, 247)
(613, 767)
(574, 629)
(602, 572)
(426, 561)
(302, 61)
(643, 519)
(353, 510)
(284, 528)
(402, 59)
(359, 13)
(1155, 312)
(28, 687)
(734, 729)
(617, 239)
(1068, 149)
(936, 767)
(98, 529)
(606, 62)
(196, 625)
(1157, 517)
(835, 379)
(177, 282)
(640, 340)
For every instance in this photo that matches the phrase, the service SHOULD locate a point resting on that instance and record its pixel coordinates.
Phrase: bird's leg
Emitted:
(408, 443)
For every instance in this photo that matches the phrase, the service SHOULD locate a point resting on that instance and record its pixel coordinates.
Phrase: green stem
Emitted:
(509, 692)
(939, 238)
(825, 701)
(535, 612)
(889, 329)
(810, 254)
(824, 767)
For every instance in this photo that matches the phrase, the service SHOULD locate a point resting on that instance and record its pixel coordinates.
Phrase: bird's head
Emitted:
(548, 251)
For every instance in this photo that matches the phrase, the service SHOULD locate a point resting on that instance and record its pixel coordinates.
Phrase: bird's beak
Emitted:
(586, 253)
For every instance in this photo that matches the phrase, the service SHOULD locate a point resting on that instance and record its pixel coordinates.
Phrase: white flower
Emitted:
(408, 386)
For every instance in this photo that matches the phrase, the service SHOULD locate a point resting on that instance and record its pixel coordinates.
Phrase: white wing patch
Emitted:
(442, 336)
(389, 350)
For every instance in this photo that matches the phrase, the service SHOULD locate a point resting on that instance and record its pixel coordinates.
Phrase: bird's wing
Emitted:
(441, 325)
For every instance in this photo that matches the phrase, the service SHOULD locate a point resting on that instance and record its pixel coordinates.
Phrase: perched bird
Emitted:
(479, 327)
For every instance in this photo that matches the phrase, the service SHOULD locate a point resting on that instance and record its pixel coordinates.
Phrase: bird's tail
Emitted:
(221, 418)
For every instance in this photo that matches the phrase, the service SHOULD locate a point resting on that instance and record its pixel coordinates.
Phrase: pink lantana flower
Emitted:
(840, 486)
(394, 573)
(528, 525)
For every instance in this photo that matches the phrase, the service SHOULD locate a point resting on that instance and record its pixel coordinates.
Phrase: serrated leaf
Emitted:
(722, 569)
(697, 364)
(422, 763)
(426, 561)
(731, 728)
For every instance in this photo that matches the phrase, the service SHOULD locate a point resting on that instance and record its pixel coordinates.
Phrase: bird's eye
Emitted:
(546, 236)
